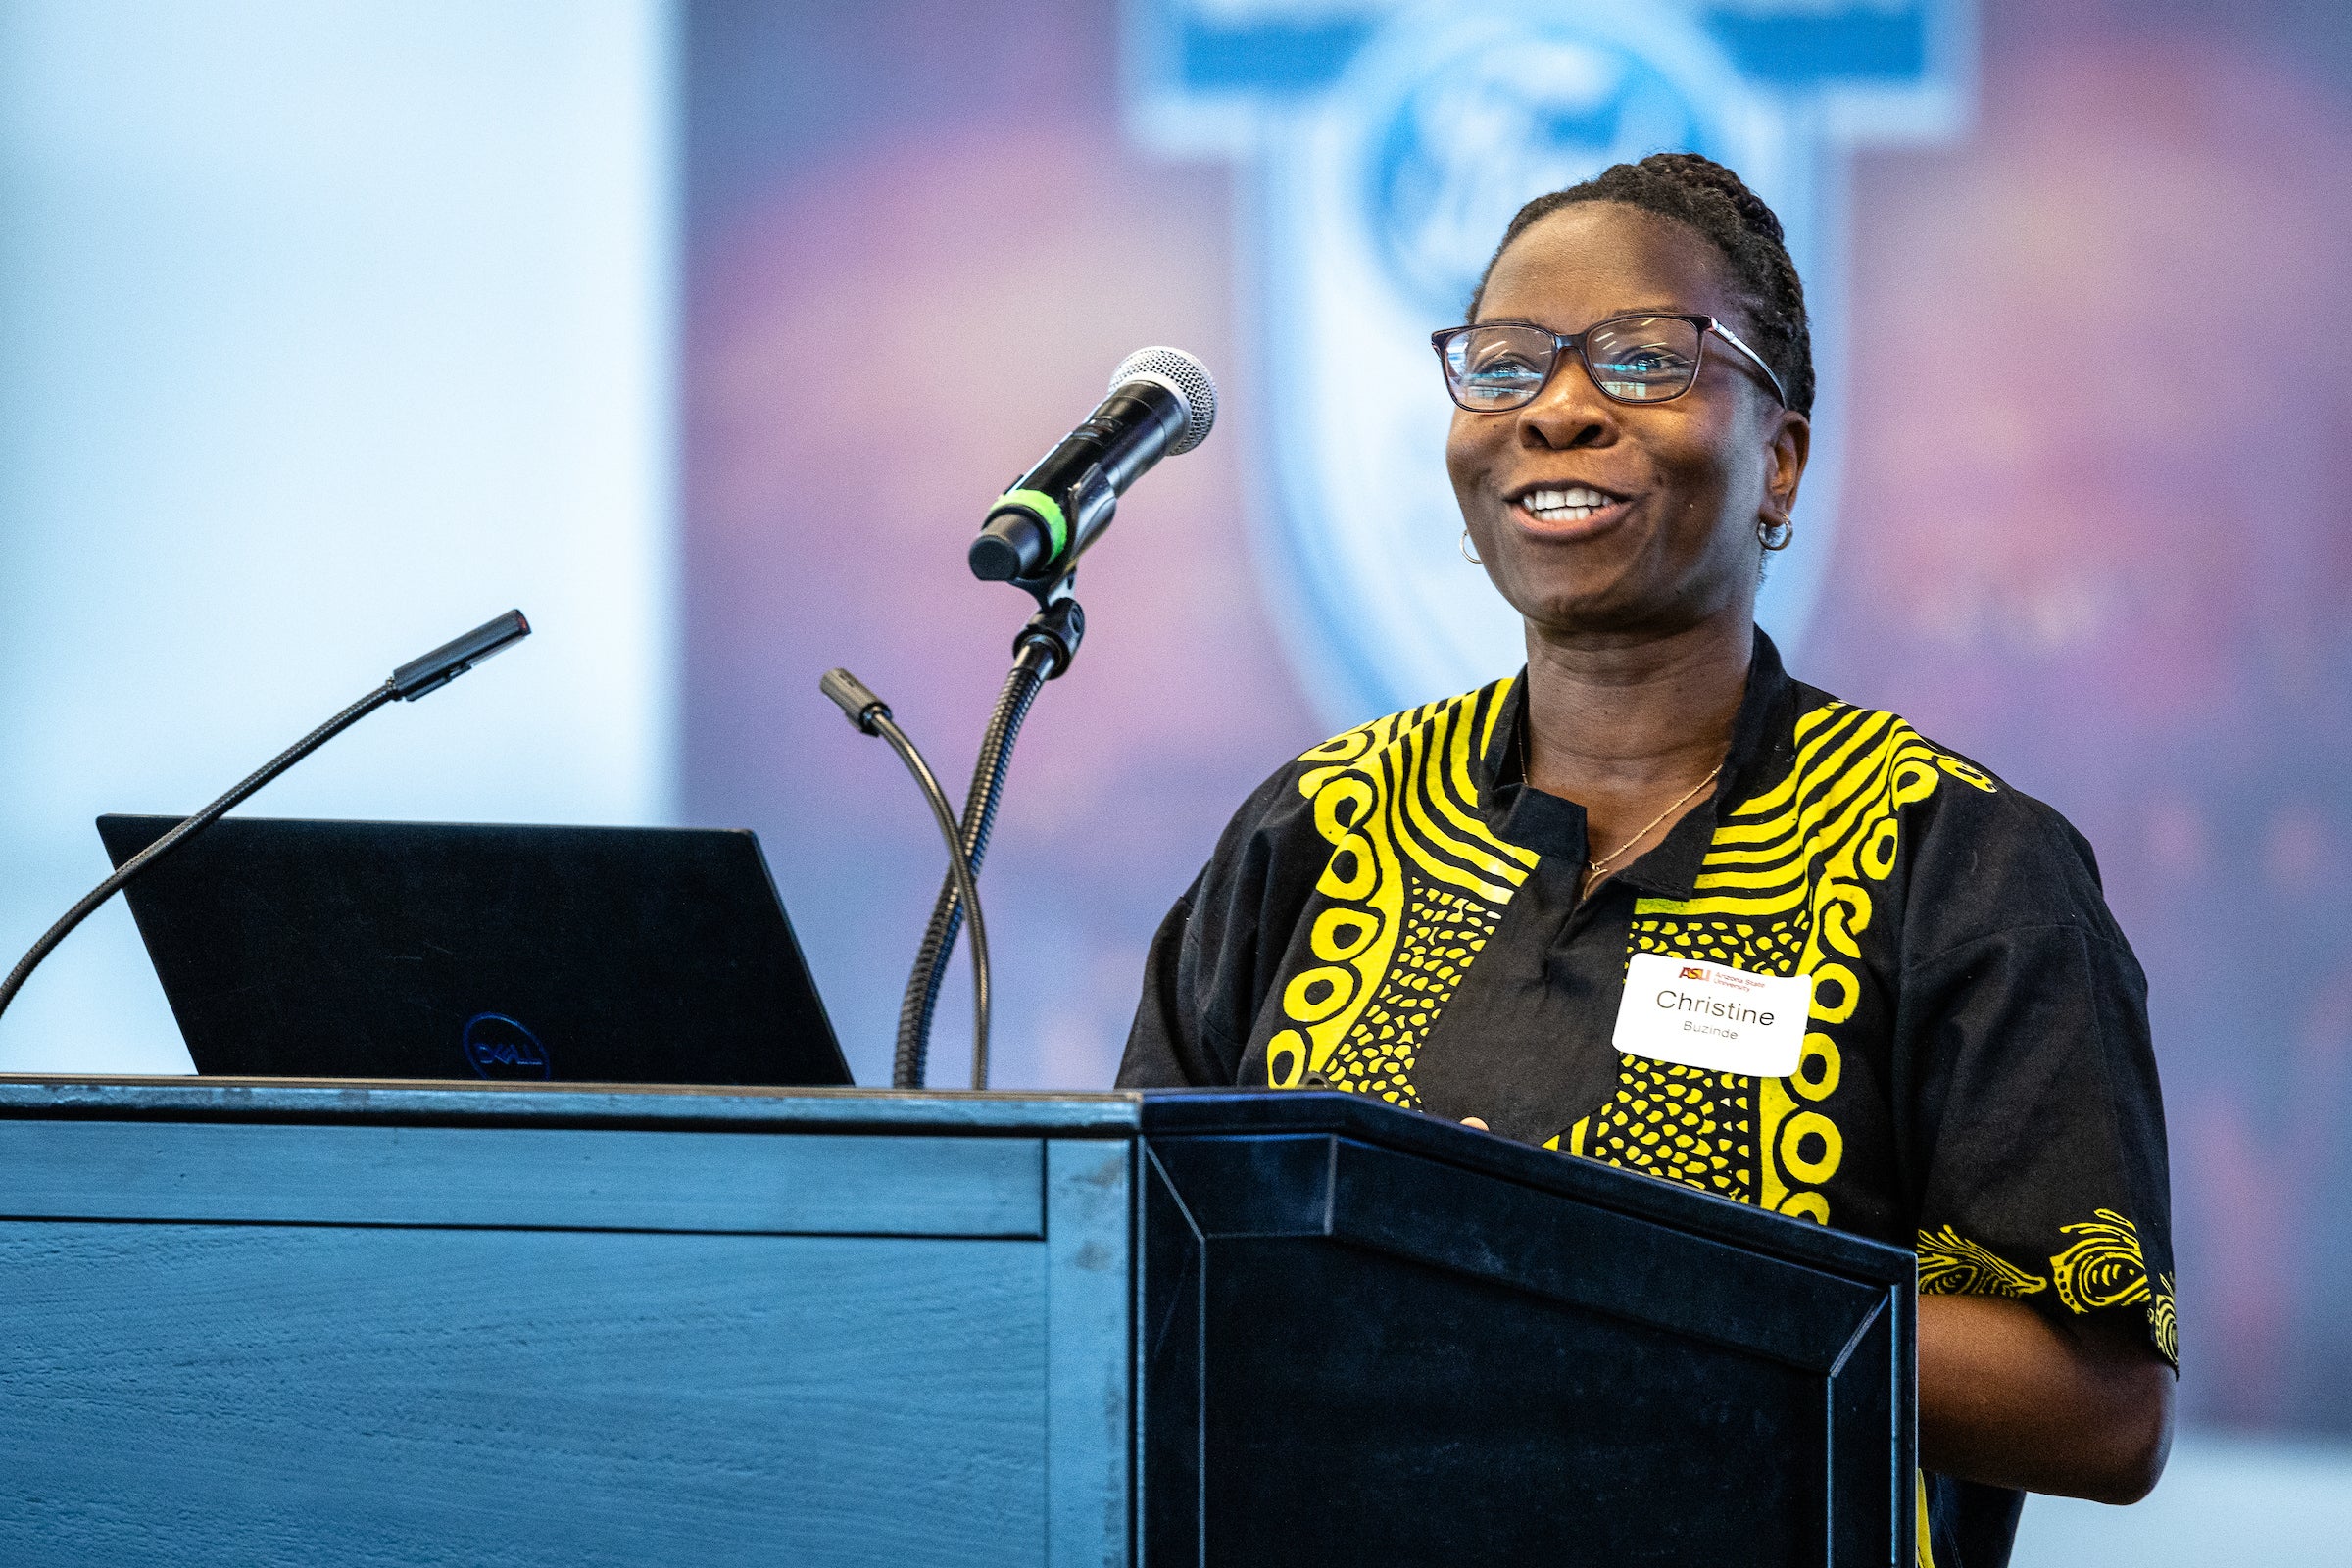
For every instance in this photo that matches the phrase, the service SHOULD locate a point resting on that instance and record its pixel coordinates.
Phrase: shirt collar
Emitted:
(1763, 747)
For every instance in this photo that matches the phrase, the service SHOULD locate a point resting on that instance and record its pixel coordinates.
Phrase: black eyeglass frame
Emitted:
(1576, 340)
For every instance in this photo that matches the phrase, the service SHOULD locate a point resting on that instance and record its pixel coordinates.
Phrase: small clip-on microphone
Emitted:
(406, 684)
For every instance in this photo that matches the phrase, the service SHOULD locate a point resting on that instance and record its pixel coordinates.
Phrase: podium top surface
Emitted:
(460, 1102)
(1120, 1114)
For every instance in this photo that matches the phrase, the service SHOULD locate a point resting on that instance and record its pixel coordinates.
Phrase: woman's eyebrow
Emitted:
(1637, 309)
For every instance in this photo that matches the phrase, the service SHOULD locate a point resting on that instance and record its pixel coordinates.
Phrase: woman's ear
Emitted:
(1791, 443)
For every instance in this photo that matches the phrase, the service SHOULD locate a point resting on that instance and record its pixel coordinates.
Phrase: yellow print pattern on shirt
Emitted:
(1786, 888)
(1950, 1265)
(2163, 1324)
(2105, 1267)
(1413, 890)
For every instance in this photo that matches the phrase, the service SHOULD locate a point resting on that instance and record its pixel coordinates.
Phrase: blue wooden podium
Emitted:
(290, 1322)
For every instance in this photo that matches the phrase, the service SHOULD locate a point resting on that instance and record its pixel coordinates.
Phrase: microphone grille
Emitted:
(1183, 375)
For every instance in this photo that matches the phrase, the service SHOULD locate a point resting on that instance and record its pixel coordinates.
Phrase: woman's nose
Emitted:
(1569, 412)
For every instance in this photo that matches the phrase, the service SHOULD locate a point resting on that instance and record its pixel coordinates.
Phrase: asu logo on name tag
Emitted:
(1704, 1015)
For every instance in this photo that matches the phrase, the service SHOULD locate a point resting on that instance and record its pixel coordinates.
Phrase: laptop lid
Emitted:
(427, 949)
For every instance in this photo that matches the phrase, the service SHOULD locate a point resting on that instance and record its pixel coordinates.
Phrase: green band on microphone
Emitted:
(1047, 510)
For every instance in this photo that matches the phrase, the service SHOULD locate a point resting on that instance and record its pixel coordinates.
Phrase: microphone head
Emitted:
(445, 664)
(1183, 375)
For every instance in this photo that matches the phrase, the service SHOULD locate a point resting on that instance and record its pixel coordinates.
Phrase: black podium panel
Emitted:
(1359, 1353)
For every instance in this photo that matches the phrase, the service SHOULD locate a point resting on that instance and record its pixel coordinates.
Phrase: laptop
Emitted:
(427, 949)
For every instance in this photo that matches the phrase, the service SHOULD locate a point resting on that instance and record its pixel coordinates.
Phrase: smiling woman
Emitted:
(1438, 908)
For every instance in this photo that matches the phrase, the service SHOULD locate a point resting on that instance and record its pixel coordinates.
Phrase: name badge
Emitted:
(1702, 1014)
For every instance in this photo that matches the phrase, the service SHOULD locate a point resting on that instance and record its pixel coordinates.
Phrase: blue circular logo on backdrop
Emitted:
(497, 1047)
(1488, 130)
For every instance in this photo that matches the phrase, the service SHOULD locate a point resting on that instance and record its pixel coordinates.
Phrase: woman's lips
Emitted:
(1568, 511)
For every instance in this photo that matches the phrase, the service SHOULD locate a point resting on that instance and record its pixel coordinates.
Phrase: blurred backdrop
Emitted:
(706, 330)
(327, 331)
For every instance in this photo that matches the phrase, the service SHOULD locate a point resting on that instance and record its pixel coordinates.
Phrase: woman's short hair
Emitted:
(1701, 194)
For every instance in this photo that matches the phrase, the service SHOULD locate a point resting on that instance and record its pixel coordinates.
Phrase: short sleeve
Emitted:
(1171, 1046)
(2035, 1124)
(1217, 953)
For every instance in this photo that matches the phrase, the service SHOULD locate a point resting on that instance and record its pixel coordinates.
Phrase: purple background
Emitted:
(2093, 534)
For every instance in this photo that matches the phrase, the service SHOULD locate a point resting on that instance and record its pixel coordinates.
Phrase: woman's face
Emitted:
(1669, 540)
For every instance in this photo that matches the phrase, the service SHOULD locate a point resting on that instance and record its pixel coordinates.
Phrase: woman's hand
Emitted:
(2009, 1398)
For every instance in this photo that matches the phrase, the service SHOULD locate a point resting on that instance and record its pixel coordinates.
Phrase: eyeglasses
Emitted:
(1631, 359)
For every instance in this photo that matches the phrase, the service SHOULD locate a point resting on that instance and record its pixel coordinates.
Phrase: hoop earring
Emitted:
(1776, 535)
(1467, 554)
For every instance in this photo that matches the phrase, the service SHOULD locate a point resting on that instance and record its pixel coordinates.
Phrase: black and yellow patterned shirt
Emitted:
(1396, 914)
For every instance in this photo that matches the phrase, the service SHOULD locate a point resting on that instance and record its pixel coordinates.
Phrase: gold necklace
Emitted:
(1596, 869)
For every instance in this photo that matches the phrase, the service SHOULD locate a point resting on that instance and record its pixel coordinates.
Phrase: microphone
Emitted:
(455, 657)
(410, 681)
(1163, 402)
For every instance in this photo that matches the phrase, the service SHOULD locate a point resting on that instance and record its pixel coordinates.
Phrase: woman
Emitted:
(1439, 907)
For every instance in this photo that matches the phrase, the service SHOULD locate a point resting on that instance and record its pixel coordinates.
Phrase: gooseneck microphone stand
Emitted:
(1043, 651)
(406, 684)
(871, 714)
(1040, 653)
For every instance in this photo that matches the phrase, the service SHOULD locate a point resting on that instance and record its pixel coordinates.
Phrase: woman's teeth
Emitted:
(1572, 505)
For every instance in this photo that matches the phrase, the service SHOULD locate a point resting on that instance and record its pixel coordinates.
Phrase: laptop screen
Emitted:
(447, 951)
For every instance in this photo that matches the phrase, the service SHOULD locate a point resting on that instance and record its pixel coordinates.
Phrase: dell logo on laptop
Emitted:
(499, 1048)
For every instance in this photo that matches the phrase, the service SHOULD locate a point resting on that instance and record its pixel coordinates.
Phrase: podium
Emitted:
(294, 1322)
